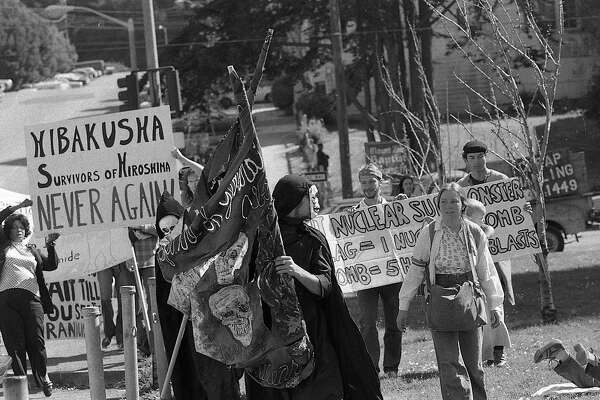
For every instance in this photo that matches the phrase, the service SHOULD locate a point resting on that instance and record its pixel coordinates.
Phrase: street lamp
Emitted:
(57, 11)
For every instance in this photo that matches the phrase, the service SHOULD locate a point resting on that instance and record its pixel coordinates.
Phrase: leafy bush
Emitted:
(31, 48)
(316, 104)
(282, 92)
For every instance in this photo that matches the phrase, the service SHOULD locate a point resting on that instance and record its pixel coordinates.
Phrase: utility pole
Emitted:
(340, 84)
(151, 52)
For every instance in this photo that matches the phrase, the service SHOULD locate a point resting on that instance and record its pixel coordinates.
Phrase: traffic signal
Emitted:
(173, 90)
(130, 95)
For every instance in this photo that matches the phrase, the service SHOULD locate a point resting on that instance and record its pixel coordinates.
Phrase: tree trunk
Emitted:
(547, 308)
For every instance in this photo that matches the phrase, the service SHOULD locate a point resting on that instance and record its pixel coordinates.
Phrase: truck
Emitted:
(571, 179)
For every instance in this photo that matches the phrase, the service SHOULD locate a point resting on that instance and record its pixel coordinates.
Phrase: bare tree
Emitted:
(511, 47)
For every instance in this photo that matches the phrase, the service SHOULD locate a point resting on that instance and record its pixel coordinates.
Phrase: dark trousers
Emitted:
(122, 277)
(22, 327)
(582, 377)
(368, 301)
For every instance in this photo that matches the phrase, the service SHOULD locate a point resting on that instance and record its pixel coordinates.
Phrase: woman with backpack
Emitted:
(452, 255)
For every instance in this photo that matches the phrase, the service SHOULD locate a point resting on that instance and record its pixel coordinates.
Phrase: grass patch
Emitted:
(575, 276)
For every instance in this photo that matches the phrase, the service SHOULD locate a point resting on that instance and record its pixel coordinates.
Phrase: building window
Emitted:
(570, 15)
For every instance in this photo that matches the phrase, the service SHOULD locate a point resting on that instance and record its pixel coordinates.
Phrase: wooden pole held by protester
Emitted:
(15, 388)
(91, 319)
(174, 355)
(130, 342)
(159, 346)
(142, 295)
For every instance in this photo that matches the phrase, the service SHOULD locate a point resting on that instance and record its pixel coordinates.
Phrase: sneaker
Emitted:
(584, 357)
(548, 351)
(499, 356)
(106, 342)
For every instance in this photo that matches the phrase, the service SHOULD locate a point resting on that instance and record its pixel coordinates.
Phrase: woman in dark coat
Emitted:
(343, 368)
(24, 298)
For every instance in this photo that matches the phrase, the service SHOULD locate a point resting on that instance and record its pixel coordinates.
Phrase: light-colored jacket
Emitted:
(480, 258)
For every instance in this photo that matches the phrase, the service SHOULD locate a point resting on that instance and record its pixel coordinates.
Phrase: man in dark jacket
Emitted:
(343, 368)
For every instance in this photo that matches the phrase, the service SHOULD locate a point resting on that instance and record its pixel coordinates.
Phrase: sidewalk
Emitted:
(70, 394)
(67, 363)
(67, 367)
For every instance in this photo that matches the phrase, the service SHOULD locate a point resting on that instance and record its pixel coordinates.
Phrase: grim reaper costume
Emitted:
(343, 368)
(195, 376)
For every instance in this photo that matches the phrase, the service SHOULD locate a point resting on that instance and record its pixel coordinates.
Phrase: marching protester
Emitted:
(343, 369)
(122, 276)
(407, 186)
(368, 299)
(583, 370)
(474, 154)
(24, 297)
(492, 337)
(452, 255)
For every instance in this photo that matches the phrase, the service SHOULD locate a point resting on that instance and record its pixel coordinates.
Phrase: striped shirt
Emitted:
(19, 271)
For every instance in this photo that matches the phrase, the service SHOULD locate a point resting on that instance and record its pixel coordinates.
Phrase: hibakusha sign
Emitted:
(101, 172)
(373, 246)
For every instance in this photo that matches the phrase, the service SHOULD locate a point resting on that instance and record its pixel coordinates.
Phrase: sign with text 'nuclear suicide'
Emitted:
(100, 172)
(373, 246)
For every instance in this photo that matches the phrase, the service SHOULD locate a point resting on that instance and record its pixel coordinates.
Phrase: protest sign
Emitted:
(69, 297)
(391, 158)
(372, 246)
(79, 254)
(102, 172)
(514, 234)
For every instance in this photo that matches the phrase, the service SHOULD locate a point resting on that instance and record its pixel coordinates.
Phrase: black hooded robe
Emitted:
(343, 368)
(195, 376)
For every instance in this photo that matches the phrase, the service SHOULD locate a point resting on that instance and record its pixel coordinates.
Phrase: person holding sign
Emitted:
(452, 255)
(474, 154)
(368, 299)
(24, 297)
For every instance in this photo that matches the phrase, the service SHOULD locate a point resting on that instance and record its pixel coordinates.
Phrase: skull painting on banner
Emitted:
(242, 312)
(231, 305)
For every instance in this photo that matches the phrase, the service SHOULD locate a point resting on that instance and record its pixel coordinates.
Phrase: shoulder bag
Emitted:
(456, 308)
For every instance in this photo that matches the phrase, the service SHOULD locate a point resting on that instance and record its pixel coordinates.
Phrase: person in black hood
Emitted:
(196, 376)
(343, 368)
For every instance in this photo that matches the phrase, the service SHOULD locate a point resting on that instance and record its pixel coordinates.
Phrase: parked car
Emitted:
(89, 72)
(263, 94)
(5, 84)
(98, 65)
(72, 77)
(52, 84)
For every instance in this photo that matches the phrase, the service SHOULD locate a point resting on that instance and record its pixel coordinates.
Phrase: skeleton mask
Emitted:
(231, 305)
(171, 226)
(231, 260)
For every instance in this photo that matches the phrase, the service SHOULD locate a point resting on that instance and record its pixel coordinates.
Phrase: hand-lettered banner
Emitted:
(372, 246)
(79, 254)
(101, 172)
(69, 298)
(514, 232)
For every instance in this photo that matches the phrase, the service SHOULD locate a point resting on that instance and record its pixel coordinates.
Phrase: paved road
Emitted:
(29, 107)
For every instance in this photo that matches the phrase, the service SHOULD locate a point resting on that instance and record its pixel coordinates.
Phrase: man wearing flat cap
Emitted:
(474, 154)
(370, 177)
(342, 368)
